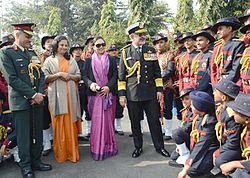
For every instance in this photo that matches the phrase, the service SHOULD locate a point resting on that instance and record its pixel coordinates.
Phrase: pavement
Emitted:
(149, 165)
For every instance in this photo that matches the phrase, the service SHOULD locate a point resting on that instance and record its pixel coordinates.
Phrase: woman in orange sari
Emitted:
(62, 75)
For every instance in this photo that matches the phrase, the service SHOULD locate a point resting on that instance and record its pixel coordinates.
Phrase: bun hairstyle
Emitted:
(55, 43)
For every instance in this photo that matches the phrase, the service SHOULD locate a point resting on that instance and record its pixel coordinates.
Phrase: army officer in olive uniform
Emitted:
(140, 86)
(23, 74)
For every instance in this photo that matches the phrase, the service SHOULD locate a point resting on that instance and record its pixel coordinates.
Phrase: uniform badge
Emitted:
(204, 65)
(149, 56)
(19, 60)
(229, 58)
(128, 58)
(22, 71)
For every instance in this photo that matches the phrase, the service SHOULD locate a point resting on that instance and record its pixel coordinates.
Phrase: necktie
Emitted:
(139, 49)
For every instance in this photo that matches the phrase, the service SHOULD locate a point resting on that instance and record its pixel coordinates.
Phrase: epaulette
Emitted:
(125, 47)
(230, 112)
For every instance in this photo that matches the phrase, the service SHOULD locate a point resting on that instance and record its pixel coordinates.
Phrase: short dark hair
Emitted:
(55, 43)
(98, 38)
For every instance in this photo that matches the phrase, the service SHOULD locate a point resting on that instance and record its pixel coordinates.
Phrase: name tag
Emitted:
(128, 58)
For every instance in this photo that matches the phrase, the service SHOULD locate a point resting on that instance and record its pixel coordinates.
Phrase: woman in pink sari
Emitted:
(100, 75)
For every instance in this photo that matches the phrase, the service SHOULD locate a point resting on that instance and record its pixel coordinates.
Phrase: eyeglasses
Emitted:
(99, 45)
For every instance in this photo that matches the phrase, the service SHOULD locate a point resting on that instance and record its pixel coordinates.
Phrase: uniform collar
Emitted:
(22, 48)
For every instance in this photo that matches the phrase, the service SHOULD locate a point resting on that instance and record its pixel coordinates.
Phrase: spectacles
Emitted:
(99, 45)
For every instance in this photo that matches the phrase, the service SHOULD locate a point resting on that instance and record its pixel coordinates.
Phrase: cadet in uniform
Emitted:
(186, 61)
(76, 51)
(88, 48)
(200, 69)
(227, 52)
(203, 140)
(245, 19)
(181, 135)
(245, 60)
(23, 74)
(167, 66)
(114, 52)
(241, 108)
(140, 86)
(227, 131)
(46, 43)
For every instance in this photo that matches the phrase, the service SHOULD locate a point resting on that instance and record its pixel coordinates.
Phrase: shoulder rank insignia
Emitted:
(150, 56)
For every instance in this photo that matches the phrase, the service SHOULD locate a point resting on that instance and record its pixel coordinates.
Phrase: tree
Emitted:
(184, 20)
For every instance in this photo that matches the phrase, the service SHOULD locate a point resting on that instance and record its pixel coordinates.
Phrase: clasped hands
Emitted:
(104, 90)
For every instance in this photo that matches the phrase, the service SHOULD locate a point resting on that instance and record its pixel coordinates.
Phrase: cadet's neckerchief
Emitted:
(244, 147)
(245, 60)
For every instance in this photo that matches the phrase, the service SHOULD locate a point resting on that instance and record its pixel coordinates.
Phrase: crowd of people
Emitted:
(44, 96)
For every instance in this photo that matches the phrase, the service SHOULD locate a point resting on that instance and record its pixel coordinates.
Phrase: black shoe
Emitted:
(83, 138)
(175, 164)
(46, 152)
(27, 173)
(119, 132)
(137, 152)
(42, 167)
(167, 138)
(163, 152)
(130, 135)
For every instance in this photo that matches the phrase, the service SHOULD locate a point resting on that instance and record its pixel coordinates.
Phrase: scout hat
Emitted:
(244, 29)
(137, 27)
(113, 47)
(227, 21)
(89, 39)
(205, 34)
(244, 16)
(7, 40)
(159, 37)
(207, 27)
(27, 28)
(202, 101)
(241, 104)
(227, 87)
(186, 36)
(46, 38)
(185, 92)
(75, 46)
(177, 36)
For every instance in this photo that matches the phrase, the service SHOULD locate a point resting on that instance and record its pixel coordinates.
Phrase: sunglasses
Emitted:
(99, 45)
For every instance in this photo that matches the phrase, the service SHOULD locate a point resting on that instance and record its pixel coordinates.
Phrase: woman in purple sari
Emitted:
(100, 75)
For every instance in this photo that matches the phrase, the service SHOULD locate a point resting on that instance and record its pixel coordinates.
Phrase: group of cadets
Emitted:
(208, 82)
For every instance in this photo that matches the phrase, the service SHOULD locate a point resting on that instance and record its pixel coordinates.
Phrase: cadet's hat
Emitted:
(186, 36)
(177, 36)
(137, 27)
(244, 29)
(227, 21)
(185, 92)
(245, 16)
(7, 40)
(27, 28)
(89, 39)
(227, 87)
(202, 101)
(46, 38)
(205, 34)
(207, 27)
(113, 47)
(159, 37)
(241, 104)
(75, 46)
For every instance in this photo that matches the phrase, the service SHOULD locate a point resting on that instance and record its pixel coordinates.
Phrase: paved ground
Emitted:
(149, 165)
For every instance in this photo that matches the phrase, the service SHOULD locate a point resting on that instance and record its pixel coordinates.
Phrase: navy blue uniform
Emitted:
(228, 134)
(200, 160)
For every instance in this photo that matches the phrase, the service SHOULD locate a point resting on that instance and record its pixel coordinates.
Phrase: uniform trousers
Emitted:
(151, 108)
(29, 126)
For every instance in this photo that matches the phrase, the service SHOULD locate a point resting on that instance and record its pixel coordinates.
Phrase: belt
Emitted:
(246, 82)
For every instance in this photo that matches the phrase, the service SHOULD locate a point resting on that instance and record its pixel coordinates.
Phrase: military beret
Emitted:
(202, 101)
